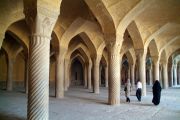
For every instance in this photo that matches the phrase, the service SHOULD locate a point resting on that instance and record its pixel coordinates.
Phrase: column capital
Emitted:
(40, 18)
(155, 58)
(140, 52)
(113, 48)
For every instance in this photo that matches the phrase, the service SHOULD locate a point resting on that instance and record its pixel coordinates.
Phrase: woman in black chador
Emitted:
(156, 92)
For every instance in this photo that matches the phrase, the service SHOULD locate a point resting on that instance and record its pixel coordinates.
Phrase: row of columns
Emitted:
(41, 22)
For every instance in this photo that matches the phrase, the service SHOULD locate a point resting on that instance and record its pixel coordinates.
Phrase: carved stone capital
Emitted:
(40, 20)
(155, 58)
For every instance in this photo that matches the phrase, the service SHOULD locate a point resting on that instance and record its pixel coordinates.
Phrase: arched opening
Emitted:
(77, 73)
(124, 70)
(102, 75)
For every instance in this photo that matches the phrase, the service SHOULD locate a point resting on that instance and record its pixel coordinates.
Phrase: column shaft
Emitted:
(89, 76)
(85, 76)
(156, 70)
(165, 75)
(150, 76)
(106, 76)
(175, 75)
(60, 78)
(10, 75)
(66, 75)
(179, 73)
(142, 72)
(132, 67)
(96, 77)
(26, 74)
(114, 75)
(38, 94)
(172, 76)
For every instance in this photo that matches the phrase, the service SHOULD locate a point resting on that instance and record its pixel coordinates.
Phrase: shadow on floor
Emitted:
(141, 104)
(4, 116)
(89, 99)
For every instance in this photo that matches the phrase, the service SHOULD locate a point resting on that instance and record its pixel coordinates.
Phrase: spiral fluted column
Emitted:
(89, 76)
(114, 75)
(106, 76)
(38, 94)
(9, 85)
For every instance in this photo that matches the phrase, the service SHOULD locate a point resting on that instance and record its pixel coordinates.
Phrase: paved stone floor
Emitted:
(81, 104)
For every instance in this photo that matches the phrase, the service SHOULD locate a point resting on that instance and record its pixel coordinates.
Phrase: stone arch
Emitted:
(163, 57)
(82, 49)
(12, 11)
(20, 34)
(55, 43)
(130, 57)
(156, 33)
(153, 48)
(82, 62)
(103, 16)
(78, 26)
(104, 58)
(135, 35)
(137, 7)
(167, 44)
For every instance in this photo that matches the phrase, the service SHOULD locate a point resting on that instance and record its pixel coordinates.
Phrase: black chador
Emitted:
(156, 92)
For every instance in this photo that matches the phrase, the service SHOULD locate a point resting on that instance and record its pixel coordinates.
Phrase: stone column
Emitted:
(60, 78)
(69, 73)
(165, 75)
(156, 67)
(89, 75)
(66, 74)
(26, 74)
(132, 67)
(114, 74)
(179, 73)
(129, 72)
(10, 74)
(96, 63)
(141, 56)
(100, 80)
(38, 94)
(106, 76)
(41, 21)
(150, 76)
(175, 74)
(137, 73)
(85, 76)
(172, 76)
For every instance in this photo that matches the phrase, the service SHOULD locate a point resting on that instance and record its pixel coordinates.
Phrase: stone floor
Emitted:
(81, 104)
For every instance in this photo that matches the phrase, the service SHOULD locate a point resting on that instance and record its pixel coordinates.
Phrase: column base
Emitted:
(96, 92)
(114, 102)
(60, 95)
